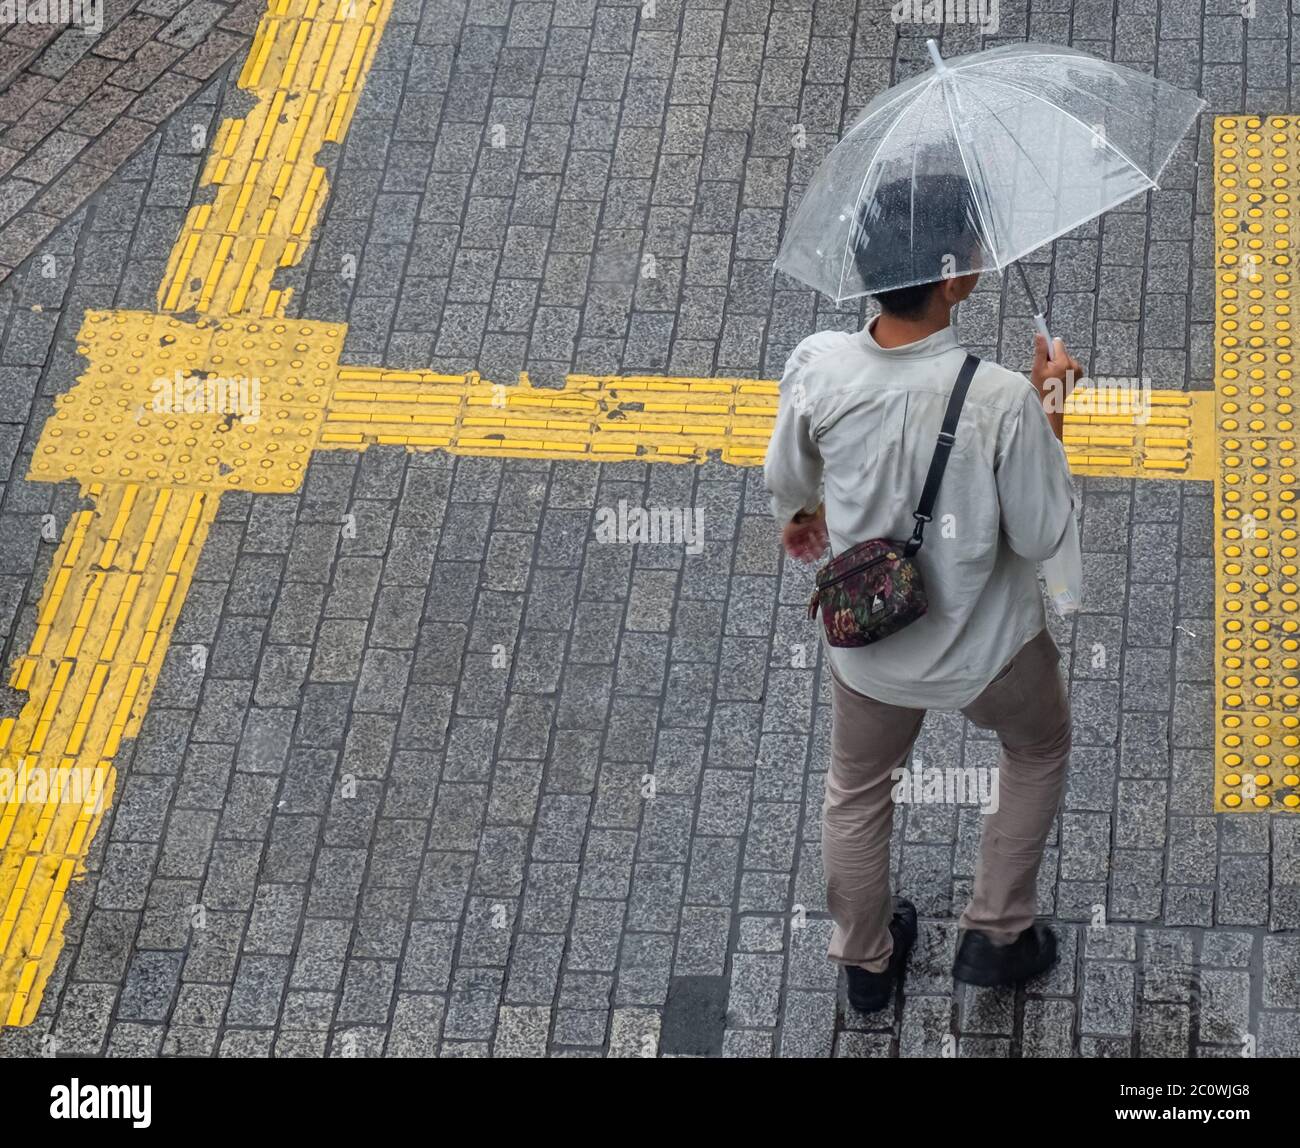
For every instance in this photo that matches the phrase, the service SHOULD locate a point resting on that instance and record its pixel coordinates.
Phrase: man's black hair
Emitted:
(914, 230)
(907, 302)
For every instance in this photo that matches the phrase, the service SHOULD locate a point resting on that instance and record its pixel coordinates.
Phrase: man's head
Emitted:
(922, 233)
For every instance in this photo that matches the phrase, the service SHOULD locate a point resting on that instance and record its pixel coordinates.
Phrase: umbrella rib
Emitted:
(1153, 181)
(1012, 137)
(978, 59)
(848, 235)
(913, 92)
(1105, 140)
(1081, 58)
(970, 176)
(911, 201)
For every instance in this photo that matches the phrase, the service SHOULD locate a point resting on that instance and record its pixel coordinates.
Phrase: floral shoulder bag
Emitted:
(875, 588)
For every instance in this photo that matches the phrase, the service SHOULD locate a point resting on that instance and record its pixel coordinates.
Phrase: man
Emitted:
(855, 432)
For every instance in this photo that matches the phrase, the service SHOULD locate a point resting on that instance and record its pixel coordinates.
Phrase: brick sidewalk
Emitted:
(396, 807)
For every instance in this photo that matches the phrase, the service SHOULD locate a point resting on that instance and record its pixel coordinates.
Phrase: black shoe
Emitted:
(981, 962)
(870, 992)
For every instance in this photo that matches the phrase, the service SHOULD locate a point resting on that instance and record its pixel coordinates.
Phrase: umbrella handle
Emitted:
(1040, 320)
(1040, 325)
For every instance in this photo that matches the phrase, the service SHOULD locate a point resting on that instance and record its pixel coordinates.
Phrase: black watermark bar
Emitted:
(336, 1096)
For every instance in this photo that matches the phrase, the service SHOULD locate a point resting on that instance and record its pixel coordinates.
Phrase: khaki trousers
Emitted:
(1027, 705)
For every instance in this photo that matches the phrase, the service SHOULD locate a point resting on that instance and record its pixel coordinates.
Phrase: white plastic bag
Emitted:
(1063, 571)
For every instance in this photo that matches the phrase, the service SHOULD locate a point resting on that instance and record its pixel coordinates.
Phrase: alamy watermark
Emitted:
(125, 1102)
(981, 12)
(946, 785)
(1116, 396)
(88, 15)
(673, 525)
(78, 786)
(238, 397)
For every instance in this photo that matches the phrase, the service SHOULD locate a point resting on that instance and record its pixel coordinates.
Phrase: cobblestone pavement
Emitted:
(77, 100)
(399, 805)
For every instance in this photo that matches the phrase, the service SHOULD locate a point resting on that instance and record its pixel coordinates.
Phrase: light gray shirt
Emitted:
(856, 428)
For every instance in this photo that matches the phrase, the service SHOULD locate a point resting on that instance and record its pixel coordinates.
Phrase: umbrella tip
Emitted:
(939, 65)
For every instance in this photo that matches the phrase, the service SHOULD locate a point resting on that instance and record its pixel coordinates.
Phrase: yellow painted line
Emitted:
(1257, 610)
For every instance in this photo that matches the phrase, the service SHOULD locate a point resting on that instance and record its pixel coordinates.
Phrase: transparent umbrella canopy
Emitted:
(973, 164)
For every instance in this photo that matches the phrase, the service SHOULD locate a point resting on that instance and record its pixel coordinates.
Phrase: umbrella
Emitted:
(973, 164)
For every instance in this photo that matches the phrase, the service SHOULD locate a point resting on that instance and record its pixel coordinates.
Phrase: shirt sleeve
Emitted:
(1034, 486)
(792, 471)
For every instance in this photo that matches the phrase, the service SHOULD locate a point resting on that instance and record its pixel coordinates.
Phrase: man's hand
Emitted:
(1054, 379)
(804, 537)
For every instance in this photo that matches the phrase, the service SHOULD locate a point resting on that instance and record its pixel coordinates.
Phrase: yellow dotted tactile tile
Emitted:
(1257, 602)
(306, 66)
(217, 403)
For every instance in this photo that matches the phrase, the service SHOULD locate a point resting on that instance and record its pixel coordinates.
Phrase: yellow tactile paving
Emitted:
(1257, 648)
(606, 418)
(655, 418)
(117, 585)
(305, 66)
(1155, 434)
(260, 388)
(168, 413)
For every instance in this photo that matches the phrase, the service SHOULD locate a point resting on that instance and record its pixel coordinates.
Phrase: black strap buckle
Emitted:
(913, 544)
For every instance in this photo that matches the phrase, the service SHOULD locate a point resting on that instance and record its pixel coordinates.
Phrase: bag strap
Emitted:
(947, 436)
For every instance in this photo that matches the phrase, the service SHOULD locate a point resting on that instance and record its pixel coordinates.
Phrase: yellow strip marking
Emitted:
(295, 53)
(308, 201)
(734, 427)
(262, 50)
(327, 54)
(218, 264)
(246, 278)
(305, 98)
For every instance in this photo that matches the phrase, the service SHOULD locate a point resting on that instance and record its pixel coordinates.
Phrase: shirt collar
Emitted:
(935, 344)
